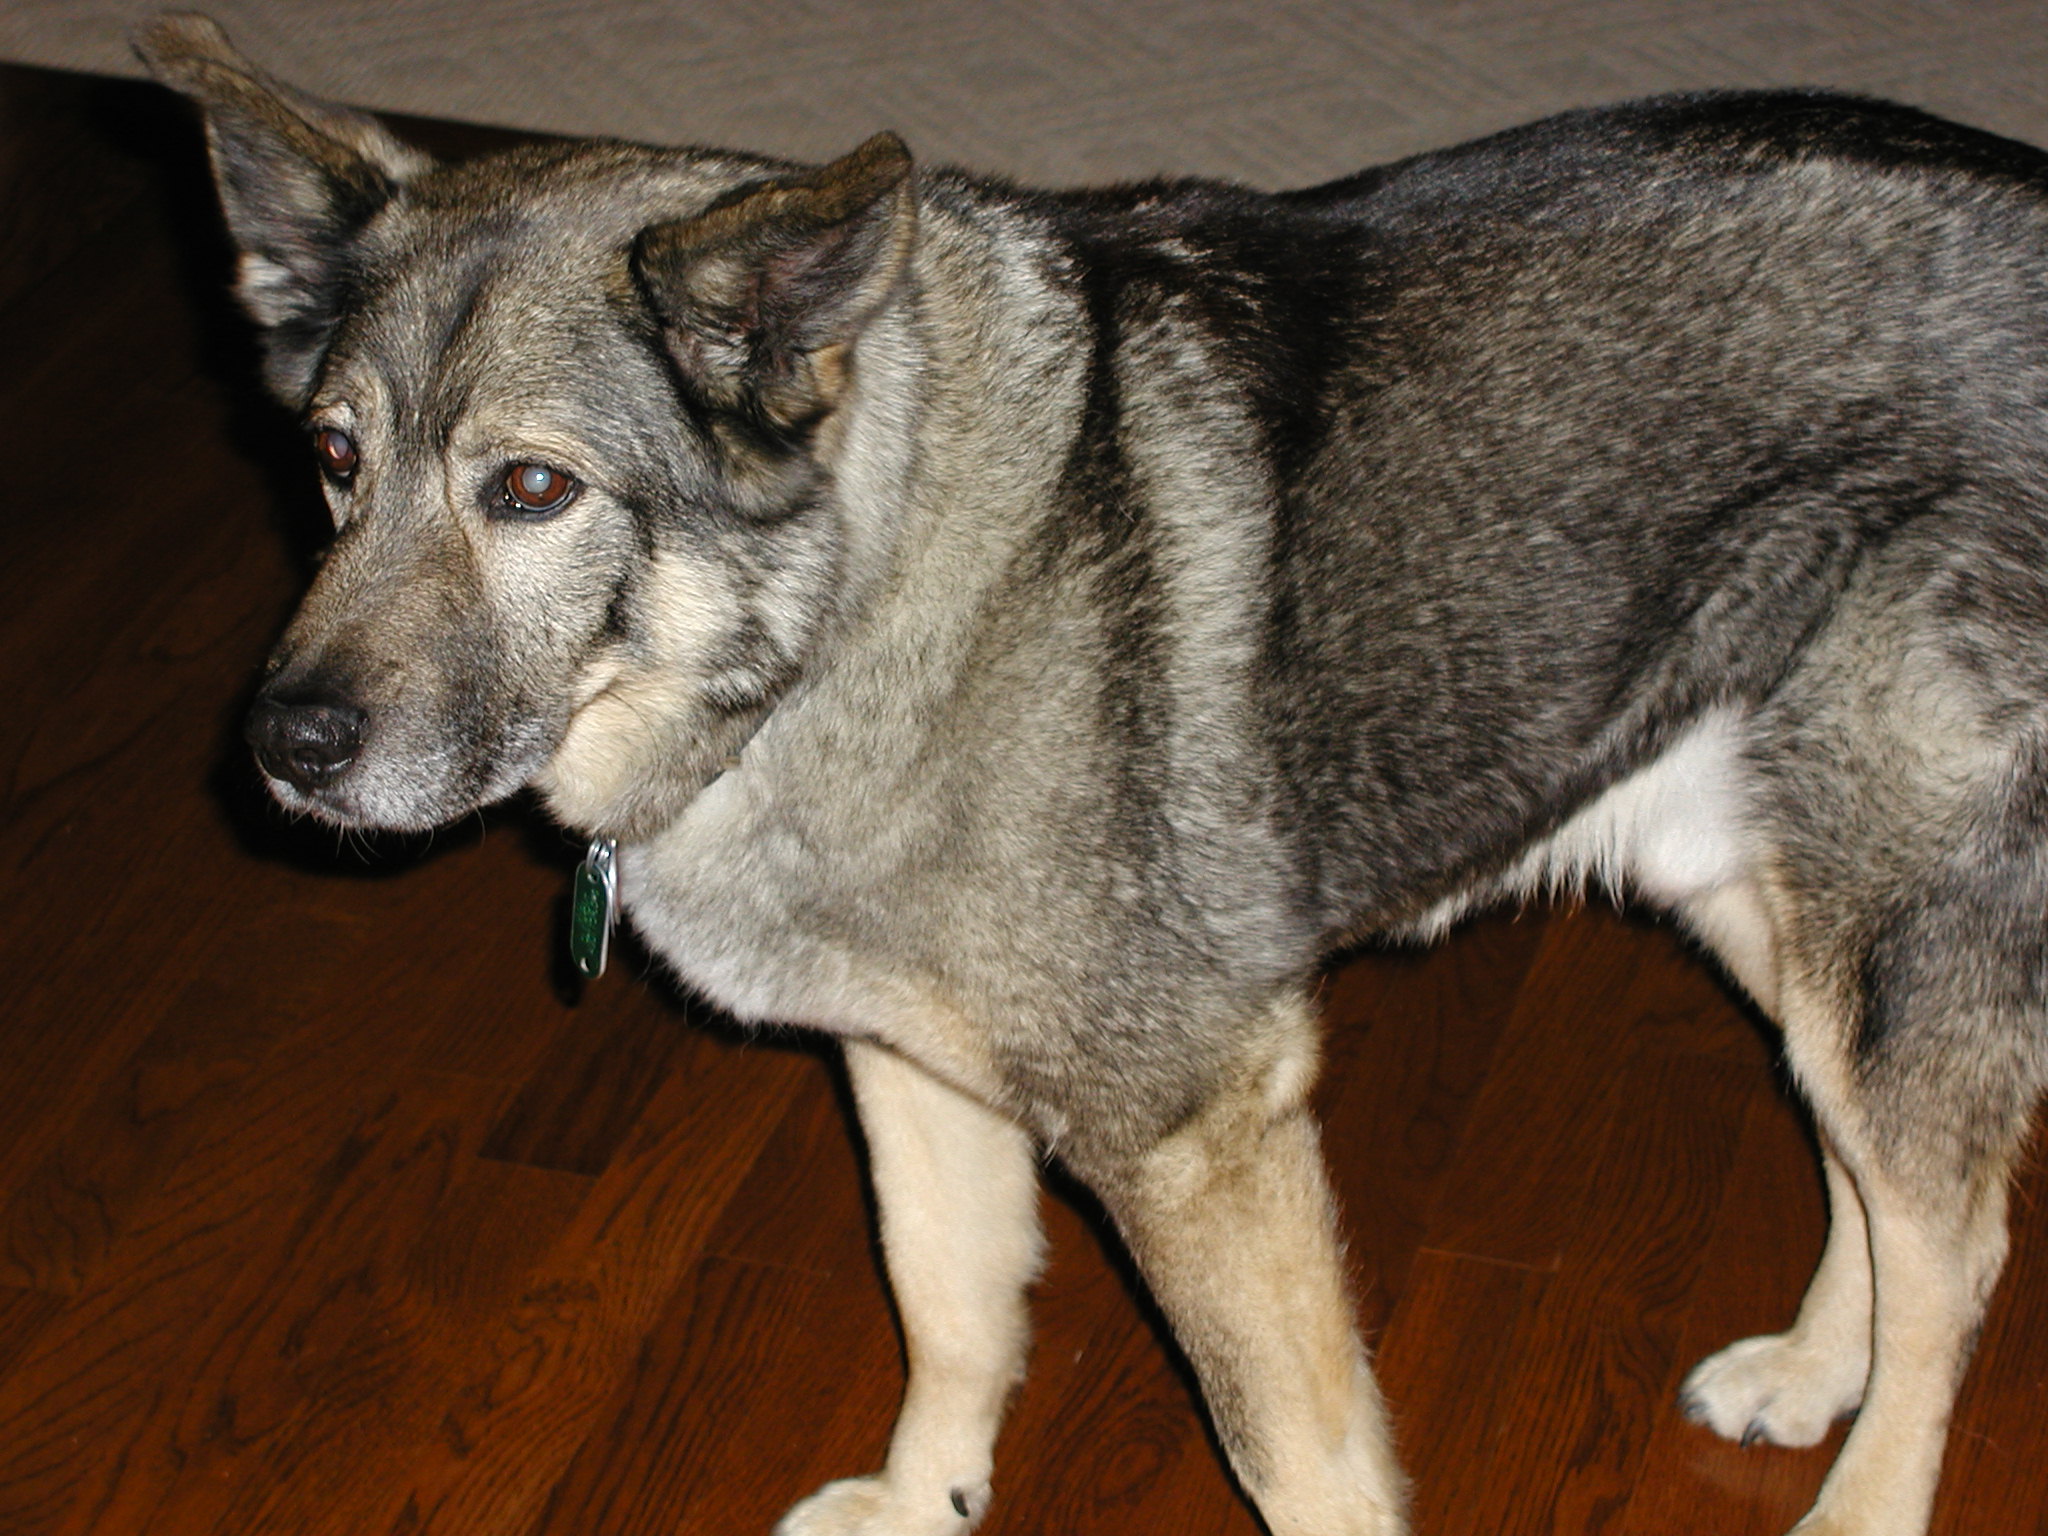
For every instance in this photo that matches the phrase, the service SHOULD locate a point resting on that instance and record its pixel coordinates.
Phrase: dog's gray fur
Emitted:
(1025, 634)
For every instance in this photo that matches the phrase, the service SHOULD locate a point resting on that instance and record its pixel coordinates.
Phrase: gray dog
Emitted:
(1025, 634)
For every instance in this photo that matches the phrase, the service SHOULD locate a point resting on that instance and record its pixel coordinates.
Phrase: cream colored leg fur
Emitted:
(957, 1187)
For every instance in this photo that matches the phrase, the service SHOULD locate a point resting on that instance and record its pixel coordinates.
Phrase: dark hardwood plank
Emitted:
(56, 1229)
(1766, 1241)
(401, 1348)
(61, 179)
(1110, 1404)
(1459, 1328)
(1525, 1170)
(299, 1342)
(788, 1274)
(23, 1316)
(548, 1369)
(1995, 1467)
(112, 1398)
(1596, 1363)
(587, 1092)
(1411, 1037)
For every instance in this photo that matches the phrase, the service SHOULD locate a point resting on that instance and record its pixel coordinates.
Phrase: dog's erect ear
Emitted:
(762, 296)
(297, 177)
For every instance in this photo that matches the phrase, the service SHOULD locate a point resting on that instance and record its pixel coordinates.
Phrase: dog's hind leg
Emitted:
(1789, 1388)
(1921, 1073)
(1923, 1092)
(1895, 815)
(1231, 1220)
(1934, 1270)
(957, 1187)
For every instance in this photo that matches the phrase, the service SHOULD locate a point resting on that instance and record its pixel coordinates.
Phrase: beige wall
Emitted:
(1277, 91)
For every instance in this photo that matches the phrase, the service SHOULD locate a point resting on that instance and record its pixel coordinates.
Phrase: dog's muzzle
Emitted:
(307, 745)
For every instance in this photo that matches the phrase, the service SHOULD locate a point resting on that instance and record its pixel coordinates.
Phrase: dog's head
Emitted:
(581, 416)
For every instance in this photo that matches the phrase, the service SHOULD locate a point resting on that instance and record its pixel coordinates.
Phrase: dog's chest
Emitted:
(768, 915)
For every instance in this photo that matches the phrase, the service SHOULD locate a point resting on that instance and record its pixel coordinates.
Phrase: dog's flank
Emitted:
(1024, 634)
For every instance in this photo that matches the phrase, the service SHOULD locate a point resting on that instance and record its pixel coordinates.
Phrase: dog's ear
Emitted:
(298, 177)
(762, 296)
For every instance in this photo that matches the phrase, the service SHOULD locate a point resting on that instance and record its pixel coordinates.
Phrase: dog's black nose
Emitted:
(306, 744)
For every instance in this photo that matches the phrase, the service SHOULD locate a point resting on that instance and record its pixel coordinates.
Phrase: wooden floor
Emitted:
(324, 1209)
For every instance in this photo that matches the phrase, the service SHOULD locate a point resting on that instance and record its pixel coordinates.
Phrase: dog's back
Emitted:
(1577, 432)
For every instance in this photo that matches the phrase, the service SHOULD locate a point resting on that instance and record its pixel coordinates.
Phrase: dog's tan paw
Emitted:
(1778, 1388)
(873, 1506)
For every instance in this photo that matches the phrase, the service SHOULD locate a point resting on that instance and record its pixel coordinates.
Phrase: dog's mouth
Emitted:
(355, 768)
(424, 761)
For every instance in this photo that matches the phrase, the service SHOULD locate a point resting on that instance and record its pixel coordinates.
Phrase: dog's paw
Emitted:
(1779, 1388)
(873, 1506)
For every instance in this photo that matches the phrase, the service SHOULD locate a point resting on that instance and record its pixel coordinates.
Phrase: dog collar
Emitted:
(594, 906)
(594, 894)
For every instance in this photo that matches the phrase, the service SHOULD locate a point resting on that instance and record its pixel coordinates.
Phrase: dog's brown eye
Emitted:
(535, 488)
(336, 451)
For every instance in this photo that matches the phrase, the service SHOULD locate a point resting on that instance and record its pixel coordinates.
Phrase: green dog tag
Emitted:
(594, 906)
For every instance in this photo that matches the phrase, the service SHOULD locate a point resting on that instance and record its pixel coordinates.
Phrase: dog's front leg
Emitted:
(1232, 1221)
(957, 1187)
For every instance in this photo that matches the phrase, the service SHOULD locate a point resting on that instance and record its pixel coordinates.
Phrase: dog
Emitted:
(1026, 634)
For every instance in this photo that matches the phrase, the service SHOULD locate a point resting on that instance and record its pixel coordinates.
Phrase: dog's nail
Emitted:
(1756, 1434)
(960, 1502)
